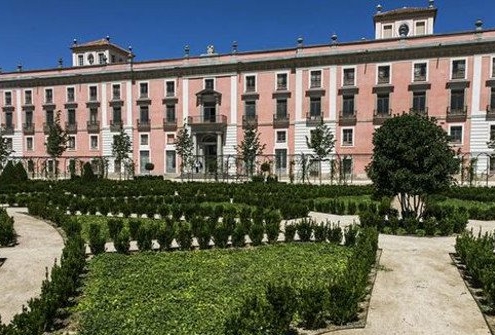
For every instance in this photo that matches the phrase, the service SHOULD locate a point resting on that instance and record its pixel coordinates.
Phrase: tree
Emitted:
(5, 150)
(249, 148)
(121, 148)
(184, 146)
(321, 142)
(56, 143)
(411, 159)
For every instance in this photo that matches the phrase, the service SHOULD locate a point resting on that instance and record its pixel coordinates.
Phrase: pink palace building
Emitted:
(352, 86)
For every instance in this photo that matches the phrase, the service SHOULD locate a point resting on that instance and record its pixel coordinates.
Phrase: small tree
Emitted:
(491, 145)
(184, 146)
(411, 159)
(56, 143)
(5, 150)
(321, 142)
(249, 148)
(121, 148)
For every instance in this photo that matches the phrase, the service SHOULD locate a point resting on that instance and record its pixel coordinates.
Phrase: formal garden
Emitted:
(149, 256)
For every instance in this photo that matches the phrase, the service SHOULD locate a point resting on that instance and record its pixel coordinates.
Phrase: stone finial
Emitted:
(130, 56)
(300, 42)
(74, 42)
(334, 38)
(108, 38)
(234, 47)
(210, 49)
(379, 8)
(19, 67)
(186, 50)
(479, 25)
(431, 3)
(60, 63)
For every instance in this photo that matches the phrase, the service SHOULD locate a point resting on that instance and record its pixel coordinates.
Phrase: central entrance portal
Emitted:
(208, 152)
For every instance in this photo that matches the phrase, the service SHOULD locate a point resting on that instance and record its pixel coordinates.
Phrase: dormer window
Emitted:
(80, 60)
(101, 58)
(387, 31)
(420, 28)
(459, 69)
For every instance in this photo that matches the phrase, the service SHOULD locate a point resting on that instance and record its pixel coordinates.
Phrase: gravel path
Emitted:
(24, 270)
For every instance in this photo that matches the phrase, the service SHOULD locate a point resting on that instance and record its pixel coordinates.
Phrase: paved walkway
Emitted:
(24, 270)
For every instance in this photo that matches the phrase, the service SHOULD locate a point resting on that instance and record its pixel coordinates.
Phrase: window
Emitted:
(250, 109)
(8, 98)
(420, 72)
(456, 134)
(170, 139)
(387, 31)
(93, 142)
(250, 84)
(101, 58)
(384, 74)
(419, 102)
(347, 137)
(349, 77)
(314, 107)
(457, 102)
(28, 97)
(209, 84)
(281, 160)
(49, 117)
(144, 114)
(71, 97)
(346, 166)
(71, 116)
(348, 105)
(48, 96)
(492, 164)
(493, 67)
(9, 119)
(93, 115)
(170, 113)
(170, 161)
(29, 118)
(144, 157)
(170, 88)
(117, 115)
(80, 60)
(29, 144)
(382, 104)
(93, 93)
(281, 81)
(459, 69)
(281, 109)
(143, 90)
(420, 28)
(71, 143)
(115, 92)
(315, 79)
(144, 139)
(281, 136)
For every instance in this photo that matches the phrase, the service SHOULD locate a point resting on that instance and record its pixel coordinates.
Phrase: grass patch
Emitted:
(193, 292)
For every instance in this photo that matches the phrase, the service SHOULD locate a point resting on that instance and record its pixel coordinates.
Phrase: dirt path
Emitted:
(419, 291)
(24, 270)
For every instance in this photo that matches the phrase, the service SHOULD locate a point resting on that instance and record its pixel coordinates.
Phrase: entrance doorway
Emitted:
(208, 155)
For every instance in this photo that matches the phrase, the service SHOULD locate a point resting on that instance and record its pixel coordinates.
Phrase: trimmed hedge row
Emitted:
(335, 301)
(476, 252)
(8, 236)
(41, 314)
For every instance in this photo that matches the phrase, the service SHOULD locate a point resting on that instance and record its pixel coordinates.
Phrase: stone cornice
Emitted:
(318, 60)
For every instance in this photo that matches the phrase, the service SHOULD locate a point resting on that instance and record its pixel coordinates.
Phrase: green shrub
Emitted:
(281, 298)
(410, 224)
(320, 231)
(351, 208)
(272, 226)
(115, 226)
(250, 319)
(430, 225)
(87, 173)
(343, 300)
(134, 225)
(144, 237)
(256, 233)
(313, 302)
(350, 234)
(122, 243)
(239, 236)
(221, 235)
(165, 235)
(96, 240)
(290, 232)
(305, 229)
(334, 234)
(8, 236)
(184, 236)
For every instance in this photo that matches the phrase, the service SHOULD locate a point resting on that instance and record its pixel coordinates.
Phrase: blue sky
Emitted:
(37, 33)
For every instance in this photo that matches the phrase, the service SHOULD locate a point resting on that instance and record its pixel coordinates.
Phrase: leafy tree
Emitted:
(184, 146)
(249, 148)
(56, 143)
(5, 150)
(121, 148)
(321, 142)
(87, 173)
(411, 159)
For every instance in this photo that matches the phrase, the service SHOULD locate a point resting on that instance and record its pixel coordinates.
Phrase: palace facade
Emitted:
(353, 87)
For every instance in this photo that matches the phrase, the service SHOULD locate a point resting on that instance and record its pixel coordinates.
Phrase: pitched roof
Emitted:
(104, 42)
(405, 12)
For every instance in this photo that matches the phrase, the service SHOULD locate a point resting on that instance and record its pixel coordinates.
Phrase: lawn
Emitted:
(192, 292)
